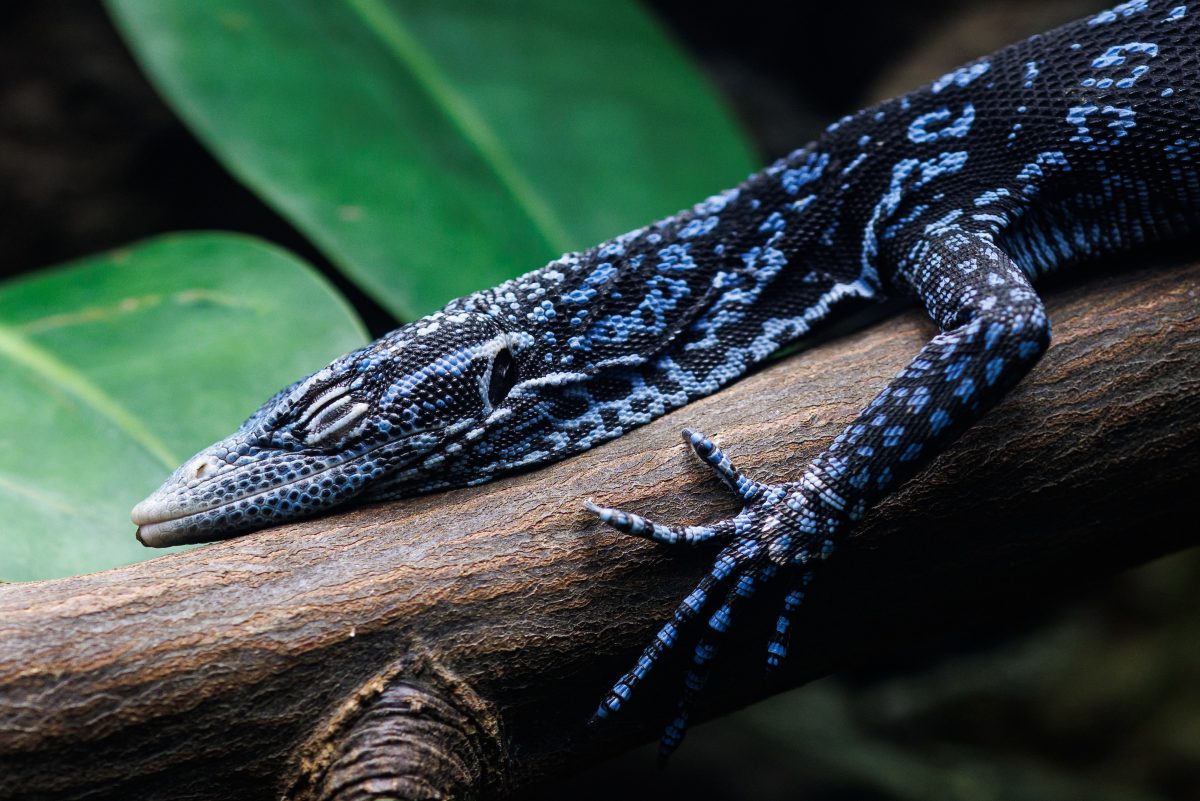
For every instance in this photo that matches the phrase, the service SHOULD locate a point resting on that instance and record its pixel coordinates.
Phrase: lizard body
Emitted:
(1073, 145)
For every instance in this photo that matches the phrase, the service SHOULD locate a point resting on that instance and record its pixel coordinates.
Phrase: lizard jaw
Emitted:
(175, 515)
(164, 533)
(208, 498)
(235, 499)
(163, 521)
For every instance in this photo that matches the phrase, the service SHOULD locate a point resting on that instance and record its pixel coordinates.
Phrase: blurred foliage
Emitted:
(118, 368)
(430, 148)
(434, 148)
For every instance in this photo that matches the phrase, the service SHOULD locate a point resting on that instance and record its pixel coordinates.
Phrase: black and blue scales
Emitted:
(1076, 144)
(1071, 145)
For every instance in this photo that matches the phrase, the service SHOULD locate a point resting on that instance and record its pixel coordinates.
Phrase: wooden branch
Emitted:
(454, 645)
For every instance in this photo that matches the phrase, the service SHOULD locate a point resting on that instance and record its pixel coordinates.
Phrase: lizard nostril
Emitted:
(202, 469)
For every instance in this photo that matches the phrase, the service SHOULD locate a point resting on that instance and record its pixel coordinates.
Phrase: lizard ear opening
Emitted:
(504, 376)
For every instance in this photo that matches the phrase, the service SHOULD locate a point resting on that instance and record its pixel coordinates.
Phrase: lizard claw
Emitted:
(746, 488)
(639, 526)
(760, 540)
(777, 646)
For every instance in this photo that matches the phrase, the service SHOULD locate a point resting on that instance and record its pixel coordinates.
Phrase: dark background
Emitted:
(1094, 698)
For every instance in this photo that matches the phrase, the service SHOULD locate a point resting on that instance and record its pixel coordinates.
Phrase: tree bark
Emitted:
(454, 645)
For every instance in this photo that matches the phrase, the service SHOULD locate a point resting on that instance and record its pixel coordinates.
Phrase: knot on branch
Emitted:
(415, 731)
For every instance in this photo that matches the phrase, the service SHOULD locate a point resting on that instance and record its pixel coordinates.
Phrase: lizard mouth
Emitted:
(164, 533)
(168, 516)
(176, 514)
(162, 520)
(179, 514)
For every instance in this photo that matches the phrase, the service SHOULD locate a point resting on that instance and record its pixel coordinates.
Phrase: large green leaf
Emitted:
(117, 369)
(436, 147)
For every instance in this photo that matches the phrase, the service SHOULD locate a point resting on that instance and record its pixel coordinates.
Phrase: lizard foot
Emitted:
(772, 537)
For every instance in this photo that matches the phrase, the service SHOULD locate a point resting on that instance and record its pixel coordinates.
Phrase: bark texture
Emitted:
(453, 646)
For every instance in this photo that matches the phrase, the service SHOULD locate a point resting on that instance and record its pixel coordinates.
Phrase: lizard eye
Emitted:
(504, 376)
(330, 416)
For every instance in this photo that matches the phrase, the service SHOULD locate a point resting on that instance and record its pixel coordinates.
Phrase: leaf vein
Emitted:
(463, 115)
(31, 357)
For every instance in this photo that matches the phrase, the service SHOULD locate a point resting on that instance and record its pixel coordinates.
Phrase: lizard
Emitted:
(1073, 145)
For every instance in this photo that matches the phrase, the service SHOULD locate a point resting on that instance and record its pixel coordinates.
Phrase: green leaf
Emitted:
(118, 368)
(432, 148)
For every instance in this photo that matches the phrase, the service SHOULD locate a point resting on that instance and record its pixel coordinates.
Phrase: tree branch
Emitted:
(453, 645)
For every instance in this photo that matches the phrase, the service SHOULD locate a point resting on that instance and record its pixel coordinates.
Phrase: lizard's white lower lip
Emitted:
(162, 523)
(165, 533)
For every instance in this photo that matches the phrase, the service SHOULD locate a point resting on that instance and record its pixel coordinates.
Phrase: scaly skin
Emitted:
(1070, 146)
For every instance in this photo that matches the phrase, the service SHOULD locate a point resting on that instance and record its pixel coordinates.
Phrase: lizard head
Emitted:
(328, 437)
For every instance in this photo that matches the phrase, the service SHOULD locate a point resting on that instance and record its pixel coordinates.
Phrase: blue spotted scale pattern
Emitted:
(1073, 145)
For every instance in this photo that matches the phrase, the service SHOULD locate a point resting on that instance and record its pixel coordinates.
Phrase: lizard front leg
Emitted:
(993, 329)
